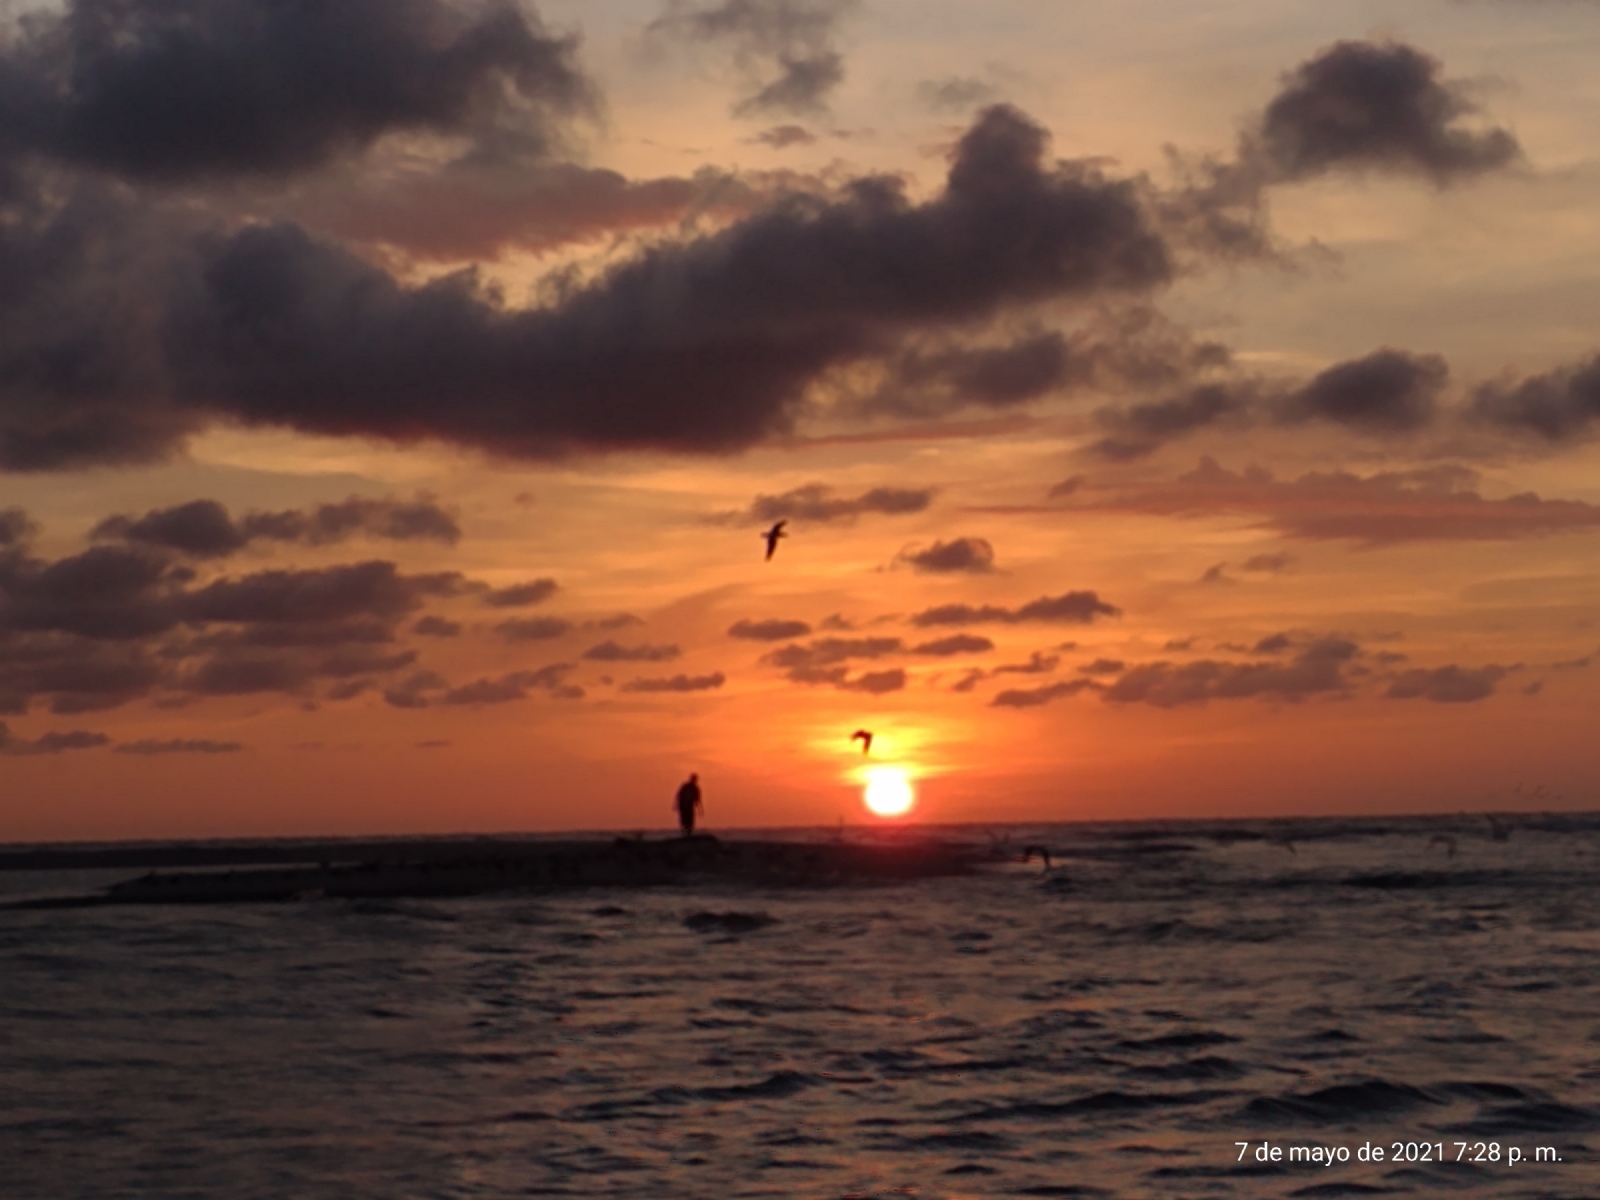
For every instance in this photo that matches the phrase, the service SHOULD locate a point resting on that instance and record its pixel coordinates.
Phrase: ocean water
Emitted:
(1116, 1027)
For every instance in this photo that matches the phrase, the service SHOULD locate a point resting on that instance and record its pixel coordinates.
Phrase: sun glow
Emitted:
(888, 792)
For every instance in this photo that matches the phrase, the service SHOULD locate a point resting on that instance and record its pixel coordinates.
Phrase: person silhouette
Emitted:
(688, 804)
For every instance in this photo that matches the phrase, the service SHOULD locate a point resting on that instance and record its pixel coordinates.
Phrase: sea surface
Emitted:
(1117, 1026)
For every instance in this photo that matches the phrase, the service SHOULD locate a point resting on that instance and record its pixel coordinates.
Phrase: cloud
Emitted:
(513, 686)
(788, 43)
(1447, 685)
(521, 595)
(533, 629)
(677, 683)
(1319, 668)
(1377, 105)
(698, 344)
(150, 746)
(1268, 563)
(1103, 666)
(781, 137)
(958, 643)
(431, 626)
(182, 89)
(1141, 429)
(967, 555)
(204, 529)
(875, 683)
(1033, 697)
(1074, 607)
(1434, 503)
(610, 651)
(414, 691)
(955, 93)
(49, 743)
(1388, 391)
(816, 502)
(826, 651)
(1557, 405)
(774, 630)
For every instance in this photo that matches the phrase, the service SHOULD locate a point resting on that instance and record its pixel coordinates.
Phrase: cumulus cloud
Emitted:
(204, 528)
(179, 89)
(788, 44)
(1447, 685)
(968, 555)
(49, 743)
(1432, 503)
(1071, 607)
(817, 502)
(533, 629)
(826, 651)
(610, 651)
(781, 137)
(700, 344)
(1319, 668)
(957, 643)
(677, 683)
(1103, 666)
(521, 595)
(431, 626)
(1388, 391)
(151, 746)
(1033, 697)
(514, 685)
(1558, 405)
(1377, 105)
(774, 630)
(1141, 429)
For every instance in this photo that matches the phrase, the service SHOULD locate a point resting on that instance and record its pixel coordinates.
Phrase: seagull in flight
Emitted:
(772, 535)
(866, 739)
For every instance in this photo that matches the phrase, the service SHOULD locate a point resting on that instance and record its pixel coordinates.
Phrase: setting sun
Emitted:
(888, 792)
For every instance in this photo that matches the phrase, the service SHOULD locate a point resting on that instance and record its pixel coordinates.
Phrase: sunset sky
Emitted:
(1178, 409)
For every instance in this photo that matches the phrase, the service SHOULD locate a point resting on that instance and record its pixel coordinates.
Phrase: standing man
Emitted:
(689, 804)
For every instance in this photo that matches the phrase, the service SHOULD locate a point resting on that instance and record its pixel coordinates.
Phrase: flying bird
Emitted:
(772, 535)
(866, 739)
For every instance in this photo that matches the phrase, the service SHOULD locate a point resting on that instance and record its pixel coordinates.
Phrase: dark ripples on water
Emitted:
(1110, 1029)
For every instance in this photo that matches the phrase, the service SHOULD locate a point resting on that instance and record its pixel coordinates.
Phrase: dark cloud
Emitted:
(1141, 429)
(956, 643)
(15, 527)
(955, 93)
(325, 594)
(521, 595)
(533, 629)
(610, 651)
(1380, 105)
(176, 89)
(699, 344)
(1558, 405)
(105, 592)
(826, 651)
(1388, 391)
(1268, 563)
(414, 691)
(1319, 668)
(1276, 643)
(1216, 573)
(1033, 697)
(1076, 607)
(432, 626)
(774, 630)
(1103, 666)
(204, 529)
(619, 621)
(875, 683)
(1038, 664)
(480, 208)
(817, 502)
(781, 137)
(1447, 685)
(962, 555)
(1066, 487)
(788, 43)
(514, 686)
(1434, 503)
(49, 743)
(677, 683)
(150, 746)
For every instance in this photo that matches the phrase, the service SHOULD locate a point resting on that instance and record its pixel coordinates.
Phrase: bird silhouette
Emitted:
(772, 535)
(866, 739)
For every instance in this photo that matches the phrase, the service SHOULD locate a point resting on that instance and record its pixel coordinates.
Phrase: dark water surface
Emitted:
(1112, 1029)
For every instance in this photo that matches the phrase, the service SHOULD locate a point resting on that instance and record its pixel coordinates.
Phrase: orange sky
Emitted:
(1176, 410)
